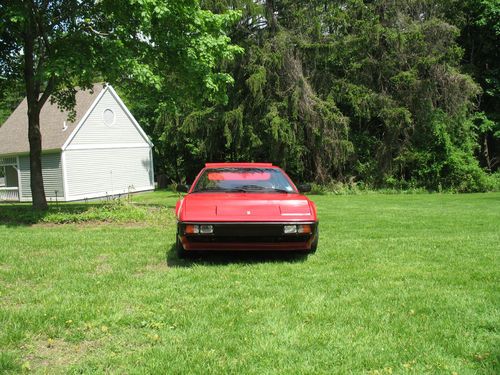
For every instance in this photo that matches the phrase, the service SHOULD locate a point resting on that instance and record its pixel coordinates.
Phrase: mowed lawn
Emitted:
(399, 284)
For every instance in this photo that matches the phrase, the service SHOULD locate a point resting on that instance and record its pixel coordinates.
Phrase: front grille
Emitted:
(247, 239)
(247, 233)
(248, 230)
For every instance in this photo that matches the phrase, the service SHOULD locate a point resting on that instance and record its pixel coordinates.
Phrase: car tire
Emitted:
(314, 245)
(181, 253)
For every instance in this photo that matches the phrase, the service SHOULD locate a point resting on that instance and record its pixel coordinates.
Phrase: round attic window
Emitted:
(109, 117)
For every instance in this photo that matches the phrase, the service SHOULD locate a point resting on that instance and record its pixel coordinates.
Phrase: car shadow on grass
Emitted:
(218, 258)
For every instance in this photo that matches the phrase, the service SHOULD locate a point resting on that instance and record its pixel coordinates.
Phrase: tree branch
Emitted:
(96, 32)
(41, 29)
(47, 92)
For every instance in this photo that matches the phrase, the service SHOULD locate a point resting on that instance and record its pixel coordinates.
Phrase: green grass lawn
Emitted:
(399, 284)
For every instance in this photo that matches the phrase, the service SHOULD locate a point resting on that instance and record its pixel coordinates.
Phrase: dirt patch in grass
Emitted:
(152, 268)
(54, 355)
(104, 267)
(162, 266)
(5, 268)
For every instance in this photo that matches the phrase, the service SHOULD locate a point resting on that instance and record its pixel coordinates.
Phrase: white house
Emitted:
(104, 152)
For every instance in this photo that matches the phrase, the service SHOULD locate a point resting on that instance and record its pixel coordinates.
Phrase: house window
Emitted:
(108, 117)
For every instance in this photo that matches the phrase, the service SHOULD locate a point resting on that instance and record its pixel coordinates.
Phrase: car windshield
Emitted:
(248, 180)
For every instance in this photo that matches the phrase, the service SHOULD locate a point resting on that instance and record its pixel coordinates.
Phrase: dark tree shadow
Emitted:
(217, 258)
(22, 214)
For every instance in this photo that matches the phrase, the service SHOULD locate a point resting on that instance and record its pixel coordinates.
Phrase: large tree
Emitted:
(58, 45)
(370, 91)
(479, 24)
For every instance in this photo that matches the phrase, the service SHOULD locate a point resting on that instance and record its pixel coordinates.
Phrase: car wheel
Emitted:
(314, 245)
(181, 253)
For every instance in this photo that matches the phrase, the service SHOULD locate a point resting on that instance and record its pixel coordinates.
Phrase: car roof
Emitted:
(238, 165)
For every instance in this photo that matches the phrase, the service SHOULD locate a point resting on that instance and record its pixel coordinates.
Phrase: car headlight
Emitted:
(304, 228)
(199, 229)
(192, 229)
(206, 229)
(299, 228)
(290, 229)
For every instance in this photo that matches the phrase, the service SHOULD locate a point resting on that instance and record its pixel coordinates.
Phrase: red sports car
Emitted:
(245, 206)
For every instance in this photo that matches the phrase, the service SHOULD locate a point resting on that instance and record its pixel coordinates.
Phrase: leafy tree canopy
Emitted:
(384, 93)
(172, 47)
(377, 92)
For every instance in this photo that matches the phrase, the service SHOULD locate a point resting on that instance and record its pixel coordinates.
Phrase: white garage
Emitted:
(103, 152)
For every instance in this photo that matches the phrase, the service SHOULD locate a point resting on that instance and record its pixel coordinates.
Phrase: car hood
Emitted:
(208, 207)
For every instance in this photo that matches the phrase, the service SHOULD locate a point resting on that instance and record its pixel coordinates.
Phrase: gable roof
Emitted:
(14, 131)
(109, 89)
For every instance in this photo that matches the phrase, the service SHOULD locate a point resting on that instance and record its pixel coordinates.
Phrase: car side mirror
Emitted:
(183, 188)
(304, 188)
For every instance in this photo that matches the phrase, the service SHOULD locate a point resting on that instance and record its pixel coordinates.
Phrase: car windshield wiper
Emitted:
(209, 190)
(236, 190)
(282, 191)
(259, 189)
(264, 189)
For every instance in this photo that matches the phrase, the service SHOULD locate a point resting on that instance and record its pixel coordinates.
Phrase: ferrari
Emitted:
(245, 206)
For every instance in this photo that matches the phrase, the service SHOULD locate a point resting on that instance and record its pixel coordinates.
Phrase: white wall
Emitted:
(107, 158)
(99, 172)
(52, 176)
(95, 131)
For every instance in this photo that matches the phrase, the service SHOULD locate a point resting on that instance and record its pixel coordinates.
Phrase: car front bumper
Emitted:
(247, 236)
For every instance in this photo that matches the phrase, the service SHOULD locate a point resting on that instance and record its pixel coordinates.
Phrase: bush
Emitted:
(115, 211)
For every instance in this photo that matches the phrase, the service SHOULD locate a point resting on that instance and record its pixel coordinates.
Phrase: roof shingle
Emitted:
(14, 132)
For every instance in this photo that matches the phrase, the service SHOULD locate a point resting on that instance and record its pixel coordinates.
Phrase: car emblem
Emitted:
(249, 212)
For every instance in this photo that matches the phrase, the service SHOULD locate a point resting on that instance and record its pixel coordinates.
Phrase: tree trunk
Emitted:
(271, 17)
(35, 139)
(34, 107)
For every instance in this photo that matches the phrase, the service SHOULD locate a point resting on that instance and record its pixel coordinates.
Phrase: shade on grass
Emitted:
(400, 283)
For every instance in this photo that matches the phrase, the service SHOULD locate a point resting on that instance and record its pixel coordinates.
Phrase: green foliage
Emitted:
(398, 95)
(11, 94)
(115, 211)
(368, 92)
(168, 49)
(479, 24)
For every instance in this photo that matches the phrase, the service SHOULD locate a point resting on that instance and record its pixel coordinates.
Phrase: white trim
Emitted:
(134, 121)
(84, 118)
(64, 174)
(89, 111)
(106, 146)
(19, 184)
(109, 125)
(49, 199)
(82, 197)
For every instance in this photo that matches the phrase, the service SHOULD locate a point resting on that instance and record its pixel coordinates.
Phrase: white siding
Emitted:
(95, 132)
(101, 172)
(52, 176)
